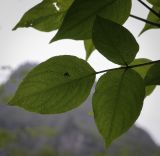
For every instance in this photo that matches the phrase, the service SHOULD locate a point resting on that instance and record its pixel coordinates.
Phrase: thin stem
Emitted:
(144, 64)
(146, 21)
(128, 67)
(153, 11)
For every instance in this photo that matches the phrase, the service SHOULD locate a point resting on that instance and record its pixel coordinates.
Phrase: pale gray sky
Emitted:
(17, 47)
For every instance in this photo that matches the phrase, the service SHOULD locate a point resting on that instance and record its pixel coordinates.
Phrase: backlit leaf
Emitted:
(45, 16)
(64, 4)
(114, 41)
(152, 17)
(55, 86)
(142, 70)
(80, 17)
(153, 75)
(89, 47)
(154, 2)
(117, 102)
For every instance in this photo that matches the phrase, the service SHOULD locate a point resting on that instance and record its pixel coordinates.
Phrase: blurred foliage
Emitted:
(18, 152)
(6, 138)
(46, 151)
(49, 151)
(41, 131)
(1, 89)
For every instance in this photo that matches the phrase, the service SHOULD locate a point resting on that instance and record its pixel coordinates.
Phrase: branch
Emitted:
(146, 21)
(129, 67)
(153, 11)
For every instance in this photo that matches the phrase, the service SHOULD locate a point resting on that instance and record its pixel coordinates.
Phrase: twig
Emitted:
(153, 11)
(129, 67)
(146, 21)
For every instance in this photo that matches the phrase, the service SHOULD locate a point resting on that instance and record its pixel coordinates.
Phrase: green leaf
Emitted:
(152, 17)
(55, 86)
(64, 4)
(117, 102)
(142, 70)
(114, 41)
(89, 47)
(80, 17)
(45, 16)
(153, 75)
(154, 2)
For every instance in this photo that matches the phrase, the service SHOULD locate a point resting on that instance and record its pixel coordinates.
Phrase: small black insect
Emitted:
(66, 74)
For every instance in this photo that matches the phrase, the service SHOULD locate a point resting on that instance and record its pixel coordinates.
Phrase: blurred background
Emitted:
(73, 133)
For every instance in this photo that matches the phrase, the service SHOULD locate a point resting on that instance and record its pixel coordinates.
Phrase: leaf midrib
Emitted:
(62, 84)
(116, 103)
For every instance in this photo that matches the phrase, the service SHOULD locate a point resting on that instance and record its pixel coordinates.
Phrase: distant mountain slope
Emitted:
(73, 133)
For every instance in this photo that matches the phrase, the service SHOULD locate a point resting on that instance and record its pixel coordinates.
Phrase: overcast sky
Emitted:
(27, 45)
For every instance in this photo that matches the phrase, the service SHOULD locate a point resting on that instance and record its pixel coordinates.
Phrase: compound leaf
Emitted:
(55, 86)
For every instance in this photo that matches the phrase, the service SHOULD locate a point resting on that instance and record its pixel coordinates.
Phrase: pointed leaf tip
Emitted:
(57, 85)
(117, 102)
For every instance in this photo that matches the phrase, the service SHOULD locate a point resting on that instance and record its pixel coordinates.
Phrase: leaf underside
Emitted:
(117, 102)
(143, 71)
(55, 86)
(114, 41)
(80, 17)
(153, 75)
